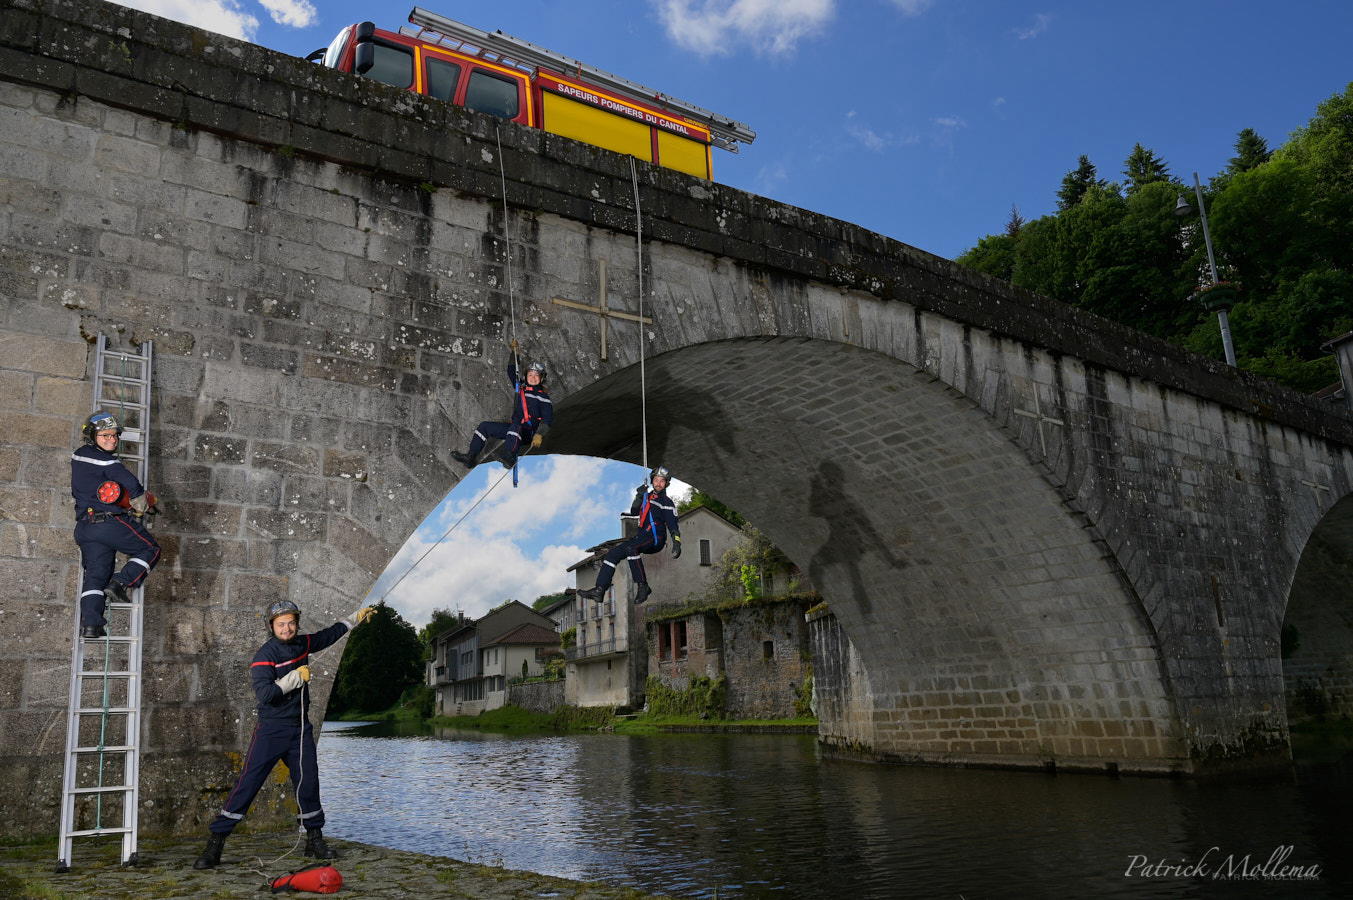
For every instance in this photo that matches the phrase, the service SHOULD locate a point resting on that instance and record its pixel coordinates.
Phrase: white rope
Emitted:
(507, 239)
(482, 498)
(639, 250)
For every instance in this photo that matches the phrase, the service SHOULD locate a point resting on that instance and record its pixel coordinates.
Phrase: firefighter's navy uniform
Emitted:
(104, 528)
(657, 516)
(283, 731)
(532, 413)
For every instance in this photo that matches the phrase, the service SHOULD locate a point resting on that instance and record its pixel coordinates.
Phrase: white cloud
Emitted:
(221, 16)
(296, 13)
(998, 103)
(714, 27)
(950, 123)
(511, 544)
(912, 7)
(1040, 25)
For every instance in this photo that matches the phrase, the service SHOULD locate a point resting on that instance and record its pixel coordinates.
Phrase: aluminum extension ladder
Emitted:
(101, 784)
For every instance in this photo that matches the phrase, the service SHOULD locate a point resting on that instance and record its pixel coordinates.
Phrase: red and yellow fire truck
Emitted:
(516, 80)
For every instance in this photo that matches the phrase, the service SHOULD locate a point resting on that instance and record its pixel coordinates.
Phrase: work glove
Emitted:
(140, 505)
(513, 345)
(536, 441)
(676, 546)
(363, 614)
(294, 679)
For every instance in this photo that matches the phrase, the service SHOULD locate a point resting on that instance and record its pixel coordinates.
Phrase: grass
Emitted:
(507, 718)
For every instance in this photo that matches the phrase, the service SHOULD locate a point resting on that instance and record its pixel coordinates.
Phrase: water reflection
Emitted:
(753, 816)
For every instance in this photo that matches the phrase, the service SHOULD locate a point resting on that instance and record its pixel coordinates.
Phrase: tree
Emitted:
(1325, 145)
(1014, 223)
(544, 601)
(382, 658)
(1143, 167)
(1251, 152)
(993, 255)
(442, 620)
(1077, 182)
(700, 498)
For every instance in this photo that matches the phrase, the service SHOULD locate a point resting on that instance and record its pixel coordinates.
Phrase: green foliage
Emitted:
(755, 552)
(383, 657)
(803, 694)
(1143, 167)
(569, 637)
(1077, 182)
(700, 498)
(703, 697)
(442, 620)
(1279, 223)
(574, 718)
(545, 601)
(751, 582)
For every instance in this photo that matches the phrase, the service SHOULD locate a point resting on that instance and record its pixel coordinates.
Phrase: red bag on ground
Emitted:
(316, 879)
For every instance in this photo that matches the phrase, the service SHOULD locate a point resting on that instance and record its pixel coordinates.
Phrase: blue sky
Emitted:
(924, 120)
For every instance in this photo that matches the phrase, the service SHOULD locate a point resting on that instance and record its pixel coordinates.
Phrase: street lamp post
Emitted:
(1182, 208)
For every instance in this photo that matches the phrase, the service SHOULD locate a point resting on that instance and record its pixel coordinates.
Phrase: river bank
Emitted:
(165, 872)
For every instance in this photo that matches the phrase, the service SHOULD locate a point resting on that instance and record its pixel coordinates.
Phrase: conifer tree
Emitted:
(1077, 182)
(1251, 151)
(1143, 167)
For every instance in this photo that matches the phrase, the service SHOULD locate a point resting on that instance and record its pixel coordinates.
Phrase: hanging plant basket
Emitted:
(1221, 295)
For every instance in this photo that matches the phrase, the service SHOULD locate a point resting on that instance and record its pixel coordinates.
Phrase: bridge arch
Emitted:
(1317, 623)
(984, 607)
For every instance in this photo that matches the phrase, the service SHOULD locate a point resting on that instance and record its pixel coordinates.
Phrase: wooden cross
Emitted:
(1037, 416)
(602, 310)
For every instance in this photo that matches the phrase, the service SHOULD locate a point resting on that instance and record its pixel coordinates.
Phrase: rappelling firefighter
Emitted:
(109, 505)
(532, 416)
(281, 676)
(657, 517)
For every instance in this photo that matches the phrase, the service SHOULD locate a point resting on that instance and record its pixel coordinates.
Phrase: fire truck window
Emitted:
(442, 78)
(491, 94)
(394, 65)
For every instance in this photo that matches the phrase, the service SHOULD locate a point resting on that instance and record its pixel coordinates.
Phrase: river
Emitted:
(749, 816)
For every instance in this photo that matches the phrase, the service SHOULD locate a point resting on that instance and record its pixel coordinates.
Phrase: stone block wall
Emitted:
(544, 697)
(766, 658)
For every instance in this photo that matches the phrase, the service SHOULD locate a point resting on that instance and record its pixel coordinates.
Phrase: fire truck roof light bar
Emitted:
(509, 50)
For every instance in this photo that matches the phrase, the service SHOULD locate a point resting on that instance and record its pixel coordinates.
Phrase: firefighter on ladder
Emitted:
(532, 416)
(109, 504)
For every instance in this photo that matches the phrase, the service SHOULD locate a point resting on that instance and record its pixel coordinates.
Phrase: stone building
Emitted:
(762, 649)
(608, 664)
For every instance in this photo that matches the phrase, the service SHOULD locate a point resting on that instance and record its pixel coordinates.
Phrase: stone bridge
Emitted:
(1049, 541)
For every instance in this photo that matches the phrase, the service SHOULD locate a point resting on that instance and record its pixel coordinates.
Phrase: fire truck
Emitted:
(515, 80)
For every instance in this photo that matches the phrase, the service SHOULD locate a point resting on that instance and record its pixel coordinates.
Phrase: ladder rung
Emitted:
(122, 748)
(96, 831)
(106, 674)
(109, 789)
(99, 710)
(111, 638)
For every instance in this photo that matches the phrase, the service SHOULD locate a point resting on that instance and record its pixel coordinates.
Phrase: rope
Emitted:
(639, 250)
(482, 498)
(507, 239)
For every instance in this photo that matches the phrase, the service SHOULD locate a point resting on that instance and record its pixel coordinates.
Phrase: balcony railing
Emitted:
(596, 648)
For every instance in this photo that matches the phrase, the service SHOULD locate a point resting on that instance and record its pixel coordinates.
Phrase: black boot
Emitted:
(116, 592)
(315, 846)
(592, 593)
(464, 459)
(211, 857)
(641, 592)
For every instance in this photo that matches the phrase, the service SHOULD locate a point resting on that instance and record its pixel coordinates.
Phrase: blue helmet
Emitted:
(99, 421)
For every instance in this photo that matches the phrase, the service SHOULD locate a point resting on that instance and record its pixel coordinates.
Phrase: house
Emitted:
(472, 661)
(608, 663)
(762, 649)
